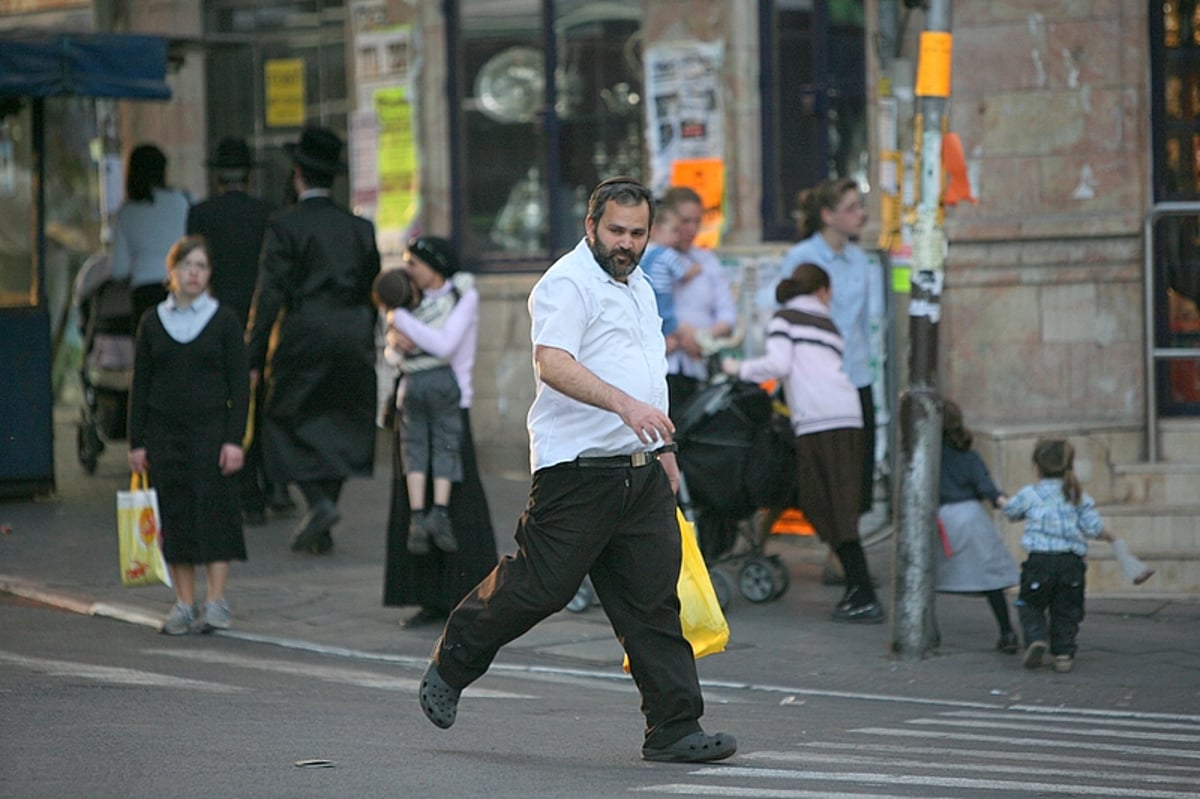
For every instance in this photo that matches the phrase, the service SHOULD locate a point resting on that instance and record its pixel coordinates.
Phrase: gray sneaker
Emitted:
(181, 621)
(216, 615)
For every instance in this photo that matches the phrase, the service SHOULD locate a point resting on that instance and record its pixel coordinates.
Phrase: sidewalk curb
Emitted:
(86, 606)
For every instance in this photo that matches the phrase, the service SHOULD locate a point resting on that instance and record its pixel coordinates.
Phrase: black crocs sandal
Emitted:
(438, 700)
(699, 747)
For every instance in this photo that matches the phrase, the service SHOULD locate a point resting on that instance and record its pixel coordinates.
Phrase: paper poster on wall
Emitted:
(397, 164)
(386, 62)
(285, 92)
(684, 109)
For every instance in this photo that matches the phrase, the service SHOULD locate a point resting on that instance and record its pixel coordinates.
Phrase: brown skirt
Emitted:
(829, 482)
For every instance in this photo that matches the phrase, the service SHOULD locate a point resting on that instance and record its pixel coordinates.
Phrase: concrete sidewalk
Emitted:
(61, 550)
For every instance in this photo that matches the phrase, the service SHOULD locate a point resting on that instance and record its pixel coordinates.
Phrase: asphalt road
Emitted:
(97, 708)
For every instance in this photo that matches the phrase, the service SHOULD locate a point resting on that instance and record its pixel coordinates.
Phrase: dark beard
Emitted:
(608, 263)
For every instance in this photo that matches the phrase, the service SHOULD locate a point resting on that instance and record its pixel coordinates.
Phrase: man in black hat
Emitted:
(233, 222)
(318, 264)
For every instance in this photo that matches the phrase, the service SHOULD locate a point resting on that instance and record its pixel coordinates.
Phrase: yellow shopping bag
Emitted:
(139, 534)
(700, 613)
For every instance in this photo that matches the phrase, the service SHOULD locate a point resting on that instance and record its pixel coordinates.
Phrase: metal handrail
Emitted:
(1153, 353)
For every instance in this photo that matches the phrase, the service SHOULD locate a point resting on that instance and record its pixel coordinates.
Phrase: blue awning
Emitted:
(41, 64)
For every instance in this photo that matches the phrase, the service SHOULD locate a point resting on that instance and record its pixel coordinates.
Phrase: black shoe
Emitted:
(279, 501)
(254, 518)
(441, 531)
(322, 545)
(423, 618)
(699, 747)
(864, 613)
(418, 539)
(1008, 643)
(318, 520)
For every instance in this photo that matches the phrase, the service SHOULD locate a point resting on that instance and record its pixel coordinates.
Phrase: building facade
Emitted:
(1063, 308)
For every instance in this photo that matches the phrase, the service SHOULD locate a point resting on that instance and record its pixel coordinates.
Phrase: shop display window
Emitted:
(1175, 114)
(549, 94)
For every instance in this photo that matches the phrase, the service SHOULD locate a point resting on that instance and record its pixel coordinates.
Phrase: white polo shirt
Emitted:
(614, 331)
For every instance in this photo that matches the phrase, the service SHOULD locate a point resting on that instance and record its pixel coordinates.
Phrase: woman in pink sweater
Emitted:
(804, 349)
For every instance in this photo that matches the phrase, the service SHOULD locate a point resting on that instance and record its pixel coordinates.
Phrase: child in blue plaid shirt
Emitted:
(1059, 518)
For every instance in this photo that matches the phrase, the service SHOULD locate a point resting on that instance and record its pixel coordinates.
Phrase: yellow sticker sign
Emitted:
(933, 68)
(285, 92)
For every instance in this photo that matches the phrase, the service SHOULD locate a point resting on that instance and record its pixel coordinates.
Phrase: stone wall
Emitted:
(1043, 299)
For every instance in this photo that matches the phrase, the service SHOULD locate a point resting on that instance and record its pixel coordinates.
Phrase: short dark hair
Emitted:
(678, 195)
(623, 191)
(394, 288)
(805, 279)
(316, 178)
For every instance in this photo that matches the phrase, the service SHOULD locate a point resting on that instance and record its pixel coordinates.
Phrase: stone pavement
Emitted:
(61, 550)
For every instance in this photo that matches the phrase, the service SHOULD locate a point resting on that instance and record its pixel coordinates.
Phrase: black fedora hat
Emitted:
(232, 153)
(319, 149)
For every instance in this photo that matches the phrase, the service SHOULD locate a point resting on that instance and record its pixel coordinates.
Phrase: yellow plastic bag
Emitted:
(139, 534)
(700, 613)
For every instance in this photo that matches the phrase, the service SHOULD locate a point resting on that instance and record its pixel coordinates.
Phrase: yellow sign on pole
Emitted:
(933, 66)
(285, 92)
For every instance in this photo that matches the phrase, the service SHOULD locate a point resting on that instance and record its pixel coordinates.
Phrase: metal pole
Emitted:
(914, 627)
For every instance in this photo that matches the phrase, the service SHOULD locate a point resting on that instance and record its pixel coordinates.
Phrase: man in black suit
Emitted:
(318, 263)
(233, 222)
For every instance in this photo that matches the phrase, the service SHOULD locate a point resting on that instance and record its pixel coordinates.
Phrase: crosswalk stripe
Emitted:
(912, 780)
(334, 674)
(113, 675)
(1078, 718)
(1044, 727)
(1024, 769)
(1115, 714)
(698, 789)
(894, 732)
(910, 752)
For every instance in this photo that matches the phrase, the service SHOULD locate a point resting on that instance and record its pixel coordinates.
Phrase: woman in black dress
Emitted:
(187, 416)
(436, 581)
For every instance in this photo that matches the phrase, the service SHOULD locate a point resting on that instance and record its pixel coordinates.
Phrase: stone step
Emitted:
(1165, 536)
(1179, 439)
(1173, 576)
(1159, 527)
(1158, 483)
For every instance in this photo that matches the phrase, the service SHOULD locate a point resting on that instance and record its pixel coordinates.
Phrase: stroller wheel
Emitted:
(721, 587)
(583, 598)
(89, 445)
(757, 580)
(782, 578)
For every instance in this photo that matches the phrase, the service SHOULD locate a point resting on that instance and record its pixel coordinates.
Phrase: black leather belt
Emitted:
(635, 461)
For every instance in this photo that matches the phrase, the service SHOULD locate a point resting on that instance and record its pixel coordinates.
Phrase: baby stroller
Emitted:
(106, 323)
(735, 456)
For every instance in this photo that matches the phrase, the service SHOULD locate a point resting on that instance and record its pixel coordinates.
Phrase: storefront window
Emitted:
(1175, 113)
(247, 36)
(18, 268)
(549, 93)
(814, 101)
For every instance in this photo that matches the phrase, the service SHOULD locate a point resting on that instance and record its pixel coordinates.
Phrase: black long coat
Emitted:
(318, 263)
(233, 223)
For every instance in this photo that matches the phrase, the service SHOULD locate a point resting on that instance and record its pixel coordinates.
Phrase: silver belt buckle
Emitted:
(639, 459)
